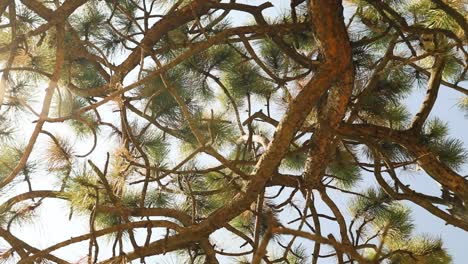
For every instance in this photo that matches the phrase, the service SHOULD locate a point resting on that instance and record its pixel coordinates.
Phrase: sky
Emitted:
(52, 225)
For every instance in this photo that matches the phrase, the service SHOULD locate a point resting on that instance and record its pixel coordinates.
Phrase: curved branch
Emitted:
(59, 60)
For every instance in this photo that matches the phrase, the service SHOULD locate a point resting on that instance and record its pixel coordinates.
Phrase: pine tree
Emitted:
(212, 131)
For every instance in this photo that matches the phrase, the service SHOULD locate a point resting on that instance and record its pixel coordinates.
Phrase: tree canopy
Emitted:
(215, 131)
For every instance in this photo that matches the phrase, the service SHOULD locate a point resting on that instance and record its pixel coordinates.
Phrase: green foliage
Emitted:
(154, 145)
(454, 67)
(104, 220)
(81, 192)
(6, 128)
(27, 19)
(372, 203)
(463, 105)
(397, 116)
(242, 260)
(429, 15)
(219, 131)
(10, 156)
(83, 74)
(163, 106)
(363, 56)
(395, 152)
(20, 95)
(217, 57)
(294, 161)
(344, 169)
(298, 255)
(130, 199)
(246, 221)
(369, 16)
(396, 220)
(65, 104)
(154, 199)
(219, 77)
(243, 78)
(211, 192)
(89, 22)
(448, 150)
(84, 192)
(84, 126)
(435, 129)
(301, 40)
(158, 199)
(274, 57)
(125, 11)
(382, 104)
(42, 58)
(111, 43)
(205, 62)
(392, 222)
(420, 249)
